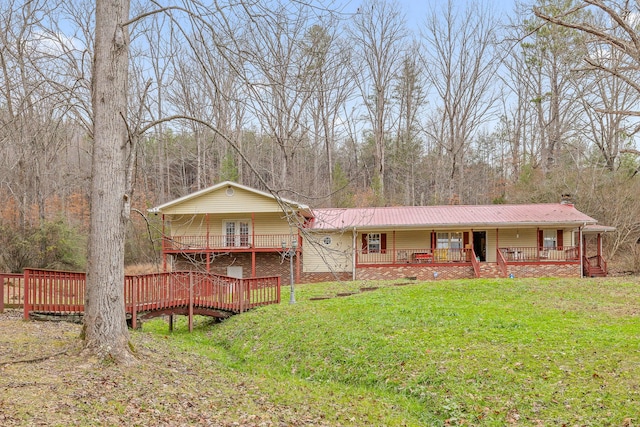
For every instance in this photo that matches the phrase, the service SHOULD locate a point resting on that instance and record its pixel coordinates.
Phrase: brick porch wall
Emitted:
(545, 270)
(421, 272)
(267, 264)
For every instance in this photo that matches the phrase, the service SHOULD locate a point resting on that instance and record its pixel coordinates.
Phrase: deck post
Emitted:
(2, 293)
(191, 301)
(26, 294)
(134, 302)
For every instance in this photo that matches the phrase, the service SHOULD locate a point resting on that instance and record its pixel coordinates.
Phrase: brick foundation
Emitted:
(267, 264)
(422, 272)
(271, 264)
(544, 270)
(325, 277)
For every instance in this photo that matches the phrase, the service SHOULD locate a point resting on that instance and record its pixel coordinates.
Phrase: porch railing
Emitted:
(64, 292)
(226, 242)
(414, 256)
(475, 263)
(594, 264)
(502, 263)
(535, 254)
(11, 286)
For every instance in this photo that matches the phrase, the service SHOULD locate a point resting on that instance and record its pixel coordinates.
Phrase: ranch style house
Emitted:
(235, 230)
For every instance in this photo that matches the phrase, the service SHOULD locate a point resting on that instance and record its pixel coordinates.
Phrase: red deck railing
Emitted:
(415, 256)
(502, 263)
(224, 242)
(12, 286)
(62, 292)
(535, 254)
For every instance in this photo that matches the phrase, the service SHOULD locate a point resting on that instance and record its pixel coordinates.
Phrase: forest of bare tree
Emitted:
(323, 105)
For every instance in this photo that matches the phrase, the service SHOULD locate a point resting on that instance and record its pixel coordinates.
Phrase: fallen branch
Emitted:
(35, 360)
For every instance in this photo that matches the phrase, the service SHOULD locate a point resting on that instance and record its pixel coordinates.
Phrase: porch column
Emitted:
(599, 246)
(355, 253)
(164, 252)
(207, 246)
(208, 260)
(253, 262)
(253, 244)
(393, 244)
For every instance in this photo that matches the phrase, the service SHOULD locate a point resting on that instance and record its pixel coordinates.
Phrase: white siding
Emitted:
(196, 225)
(218, 201)
(518, 238)
(334, 257)
(491, 244)
(414, 239)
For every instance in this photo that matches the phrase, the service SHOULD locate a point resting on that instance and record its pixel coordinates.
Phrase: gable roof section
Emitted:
(552, 214)
(242, 199)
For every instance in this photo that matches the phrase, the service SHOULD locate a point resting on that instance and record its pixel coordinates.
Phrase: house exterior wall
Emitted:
(196, 225)
(492, 244)
(267, 264)
(335, 257)
(221, 203)
(410, 239)
(518, 238)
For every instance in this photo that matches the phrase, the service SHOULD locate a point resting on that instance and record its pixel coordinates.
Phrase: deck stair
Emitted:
(596, 271)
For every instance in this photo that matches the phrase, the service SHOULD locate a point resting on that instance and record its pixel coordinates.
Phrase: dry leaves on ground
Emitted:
(44, 381)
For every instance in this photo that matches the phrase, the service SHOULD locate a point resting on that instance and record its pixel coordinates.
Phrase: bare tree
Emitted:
(461, 61)
(610, 62)
(377, 33)
(331, 87)
(105, 327)
(410, 97)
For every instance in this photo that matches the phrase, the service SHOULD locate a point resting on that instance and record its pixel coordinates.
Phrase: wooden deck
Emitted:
(148, 295)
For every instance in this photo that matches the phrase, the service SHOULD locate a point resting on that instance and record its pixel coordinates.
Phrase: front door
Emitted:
(480, 244)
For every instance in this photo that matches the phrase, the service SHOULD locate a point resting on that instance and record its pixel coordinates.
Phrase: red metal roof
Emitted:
(451, 216)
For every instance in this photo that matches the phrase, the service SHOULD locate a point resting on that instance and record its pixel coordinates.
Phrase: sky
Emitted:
(416, 10)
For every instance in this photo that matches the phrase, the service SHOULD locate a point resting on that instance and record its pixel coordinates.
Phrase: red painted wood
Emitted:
(63, 292)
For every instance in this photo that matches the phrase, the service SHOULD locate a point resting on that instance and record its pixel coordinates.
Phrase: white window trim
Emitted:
(237, 240)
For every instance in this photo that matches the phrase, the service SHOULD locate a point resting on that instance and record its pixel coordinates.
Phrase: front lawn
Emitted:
(478, 352)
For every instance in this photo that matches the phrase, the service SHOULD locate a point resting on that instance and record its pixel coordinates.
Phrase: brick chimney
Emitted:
(565, 199)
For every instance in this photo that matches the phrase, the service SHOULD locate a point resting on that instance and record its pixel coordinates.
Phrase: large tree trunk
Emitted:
(105, 329)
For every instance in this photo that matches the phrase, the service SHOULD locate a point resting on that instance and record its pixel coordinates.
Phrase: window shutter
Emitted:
(433, 240)
(365, 244)
(540, 239)
(383, 243)
(465, 239)
(560, 239)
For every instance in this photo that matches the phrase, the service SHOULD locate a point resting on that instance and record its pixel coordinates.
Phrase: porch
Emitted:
(540, 254)
(225, 243)
(415, 256)
(466, 255)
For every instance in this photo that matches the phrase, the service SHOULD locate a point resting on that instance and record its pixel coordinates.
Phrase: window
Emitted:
(446, 240)
(374, 243)
(236, 233)
(549, 239)
(373, 240)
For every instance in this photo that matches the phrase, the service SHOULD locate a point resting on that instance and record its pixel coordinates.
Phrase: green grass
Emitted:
(478, 352)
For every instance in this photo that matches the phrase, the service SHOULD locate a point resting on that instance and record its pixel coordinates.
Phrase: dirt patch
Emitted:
(45, 381)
